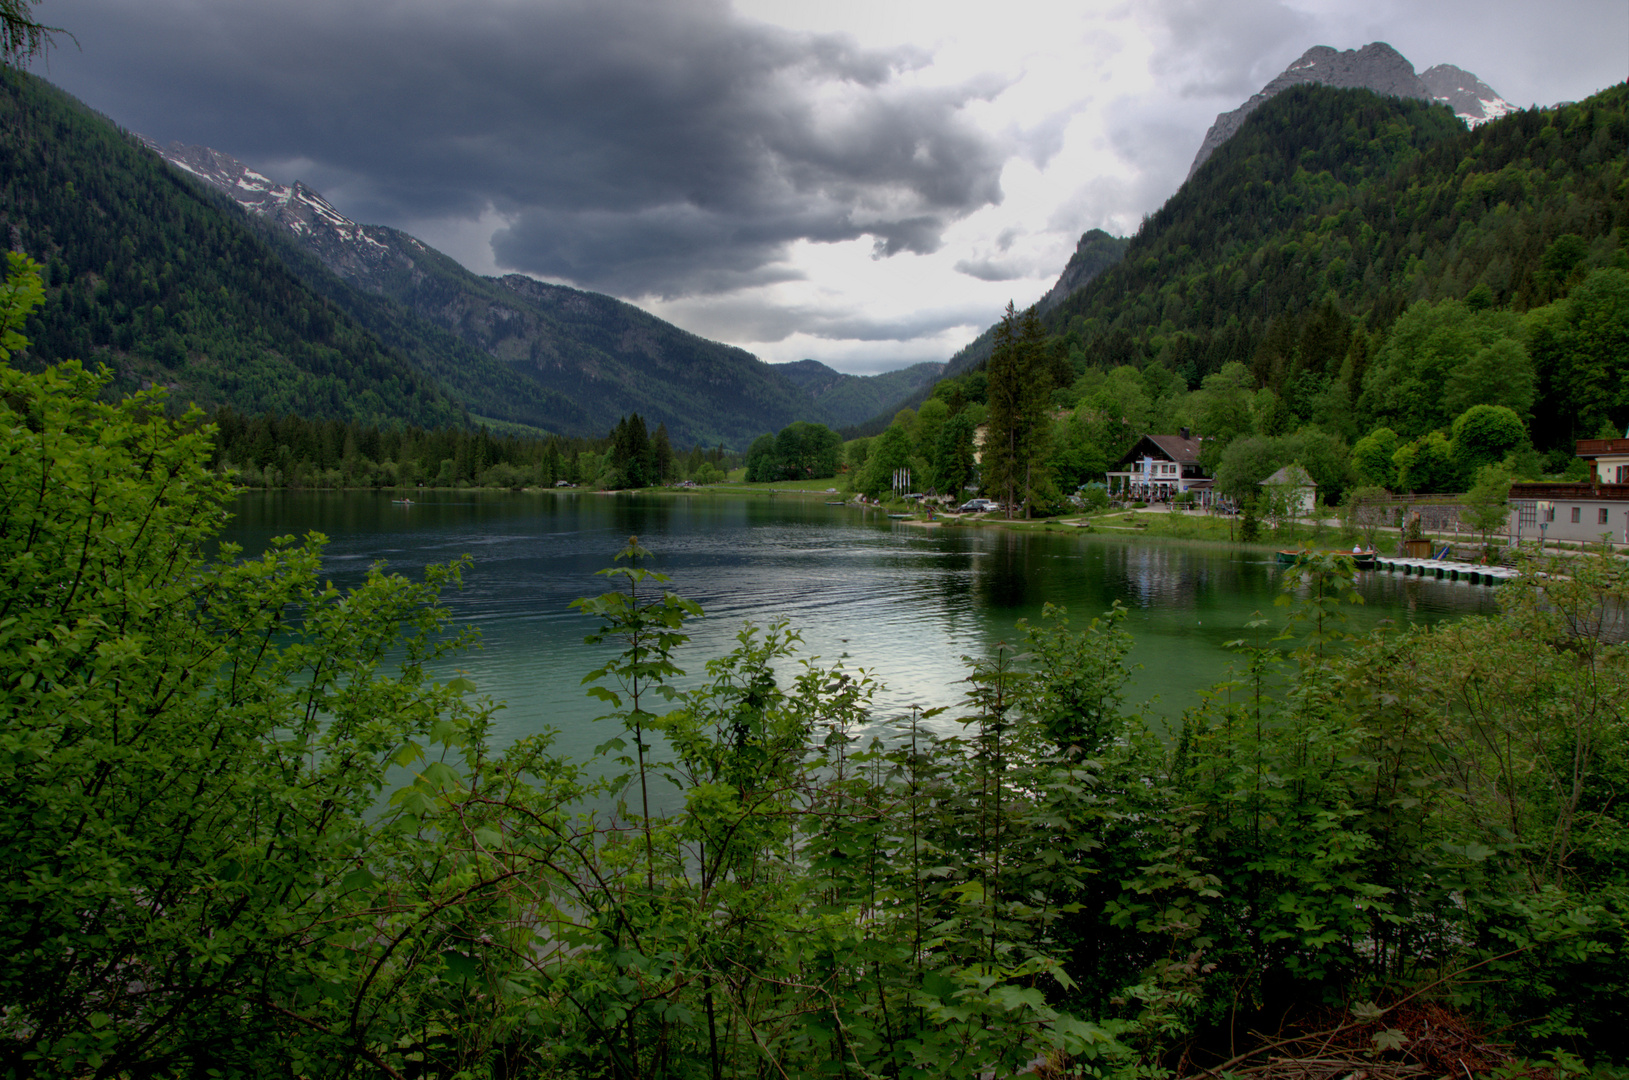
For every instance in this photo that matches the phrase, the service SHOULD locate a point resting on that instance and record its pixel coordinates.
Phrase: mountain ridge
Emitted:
(1376, 67)
(165, 285)
(603, 356)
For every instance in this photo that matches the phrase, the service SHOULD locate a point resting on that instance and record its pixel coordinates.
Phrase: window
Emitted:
(1601, 516)
(1549, 515)
(1623, 474)
(1577, 511)
(1526, 513)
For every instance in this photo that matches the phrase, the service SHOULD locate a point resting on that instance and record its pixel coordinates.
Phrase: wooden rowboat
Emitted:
(1363, 560)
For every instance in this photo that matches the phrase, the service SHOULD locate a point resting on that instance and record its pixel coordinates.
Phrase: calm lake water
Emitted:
(903, 601)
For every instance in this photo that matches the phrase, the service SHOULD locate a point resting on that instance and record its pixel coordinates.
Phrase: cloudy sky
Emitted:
(864, 182)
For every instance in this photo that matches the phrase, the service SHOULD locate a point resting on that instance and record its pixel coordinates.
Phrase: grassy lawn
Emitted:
(737, 482)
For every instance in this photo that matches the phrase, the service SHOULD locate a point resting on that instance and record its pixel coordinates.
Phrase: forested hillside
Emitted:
(850, 399)
(1354, 283)
(161, 277)
(165, 286)
(1331, 212)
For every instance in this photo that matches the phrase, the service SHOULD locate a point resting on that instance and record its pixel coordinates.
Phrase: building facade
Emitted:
(1578, 513)
(1297, 485)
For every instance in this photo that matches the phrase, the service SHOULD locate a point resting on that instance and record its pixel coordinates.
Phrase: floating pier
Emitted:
(1445, 570)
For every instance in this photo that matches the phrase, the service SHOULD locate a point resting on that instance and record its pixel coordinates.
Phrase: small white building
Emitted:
(1296, 483)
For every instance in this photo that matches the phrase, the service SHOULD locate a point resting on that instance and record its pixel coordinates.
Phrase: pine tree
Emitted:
(999, 463)
(1019, 432)
(662, 453)
(641, 464)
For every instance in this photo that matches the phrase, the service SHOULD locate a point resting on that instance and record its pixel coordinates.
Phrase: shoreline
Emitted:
(1154, 523)
(1189, 526)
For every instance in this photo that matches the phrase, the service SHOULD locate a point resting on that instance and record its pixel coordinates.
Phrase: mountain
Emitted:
(850, 399)
(1095, 253)
(542, 354)
(1332, 213)
(1378, 67)
(166, 287)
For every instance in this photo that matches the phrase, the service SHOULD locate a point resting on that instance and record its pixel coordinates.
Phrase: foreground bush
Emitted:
(248, 831)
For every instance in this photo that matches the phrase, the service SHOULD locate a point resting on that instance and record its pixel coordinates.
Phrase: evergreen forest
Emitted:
(290, 451)
(166, 288)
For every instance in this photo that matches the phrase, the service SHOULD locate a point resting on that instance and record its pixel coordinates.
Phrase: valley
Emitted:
(424, 674)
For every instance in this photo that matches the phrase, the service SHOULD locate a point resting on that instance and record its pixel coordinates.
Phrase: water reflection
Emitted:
(904, 601)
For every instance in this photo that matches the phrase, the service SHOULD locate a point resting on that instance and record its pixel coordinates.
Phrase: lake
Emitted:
(904, 601)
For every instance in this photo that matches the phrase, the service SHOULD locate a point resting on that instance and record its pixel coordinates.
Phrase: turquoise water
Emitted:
(903, 601)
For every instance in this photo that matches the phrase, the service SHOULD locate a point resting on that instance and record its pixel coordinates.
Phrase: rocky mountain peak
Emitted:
(1096, 252)
(1378, 67)
(354, 252)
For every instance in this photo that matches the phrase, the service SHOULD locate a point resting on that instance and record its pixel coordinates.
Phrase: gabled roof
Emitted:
(1292, 475)
(1170, 447)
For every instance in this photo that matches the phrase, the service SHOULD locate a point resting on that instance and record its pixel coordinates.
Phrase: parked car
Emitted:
(978, 506)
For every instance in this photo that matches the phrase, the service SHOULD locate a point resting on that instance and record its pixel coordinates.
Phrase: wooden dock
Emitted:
(1445, 570)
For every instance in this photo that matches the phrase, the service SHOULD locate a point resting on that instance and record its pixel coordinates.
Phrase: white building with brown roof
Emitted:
(1160, 466)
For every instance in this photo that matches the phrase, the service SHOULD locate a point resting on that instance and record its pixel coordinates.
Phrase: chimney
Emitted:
(1185, 434)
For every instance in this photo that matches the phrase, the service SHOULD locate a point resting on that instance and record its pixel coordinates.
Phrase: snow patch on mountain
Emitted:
(354, 252)
(1472, 100)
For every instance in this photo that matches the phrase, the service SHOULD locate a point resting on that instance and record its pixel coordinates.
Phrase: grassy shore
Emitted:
(1161, 523)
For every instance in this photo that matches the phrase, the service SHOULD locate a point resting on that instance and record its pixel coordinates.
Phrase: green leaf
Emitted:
(358, 879)
(460, 967)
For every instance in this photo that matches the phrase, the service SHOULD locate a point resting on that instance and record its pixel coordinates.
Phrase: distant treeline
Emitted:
(800, 451)
(290, 451)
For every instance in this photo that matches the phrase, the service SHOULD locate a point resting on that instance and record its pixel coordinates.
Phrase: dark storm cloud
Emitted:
(662, 147)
